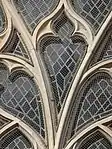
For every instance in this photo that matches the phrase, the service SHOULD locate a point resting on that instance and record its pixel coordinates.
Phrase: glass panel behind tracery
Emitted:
(15, 140)
(95, 101)
(33, 11)
(62, 56)
(93, 11)
(20, 96)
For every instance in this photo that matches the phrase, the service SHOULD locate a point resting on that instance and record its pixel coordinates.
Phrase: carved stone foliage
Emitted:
(15, 140)
(33, 11)
(20, 96)
(62, 55)
(94, 12)
(94, 101)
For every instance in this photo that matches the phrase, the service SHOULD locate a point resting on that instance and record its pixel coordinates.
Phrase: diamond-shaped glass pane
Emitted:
(95, 101)
(20, 96)
(62, 56)
(15, 140)
(95, 141)
(93, 11)
(33, 11)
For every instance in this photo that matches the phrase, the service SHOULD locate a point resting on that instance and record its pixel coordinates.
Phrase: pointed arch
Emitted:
(94, 140)
(33, 12)
(104, 50)
(15, 139)
(52, 32)
(21, 97)
(94, 12)
(93, 101)
(62, 54)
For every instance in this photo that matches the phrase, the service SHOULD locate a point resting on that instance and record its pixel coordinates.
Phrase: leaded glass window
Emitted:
(62, 56)
(95, 101)
(15, 140)
(95, 141)
(20, 96)
(55, 74)
(94, 12)
(33, 11)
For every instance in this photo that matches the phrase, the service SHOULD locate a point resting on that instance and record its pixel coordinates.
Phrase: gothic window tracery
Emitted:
(104, 51)
(95, 101)
(95, 141)
(3, 121)
(20, 96)
(15, 140)
(34, 11)
(65, 105)
(62, 56)
(93, 11)
(17, 47)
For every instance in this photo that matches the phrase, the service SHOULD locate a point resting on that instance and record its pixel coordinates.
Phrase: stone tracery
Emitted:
(62, 54)
(20, 96)
(95, 101)
(96, 140)
(16, 140)
(34, 11)
(93, 11)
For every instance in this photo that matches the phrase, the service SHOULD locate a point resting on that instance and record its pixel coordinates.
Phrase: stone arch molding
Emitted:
(18, 137)
(41, 15)
(17, 85)
(93, 12)
(81, 27)
(17, 47)
(90, 14)
(103, 52)
(96, 138)
(81, 33)
(6, 26)
(92, 80)
(53, 41)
